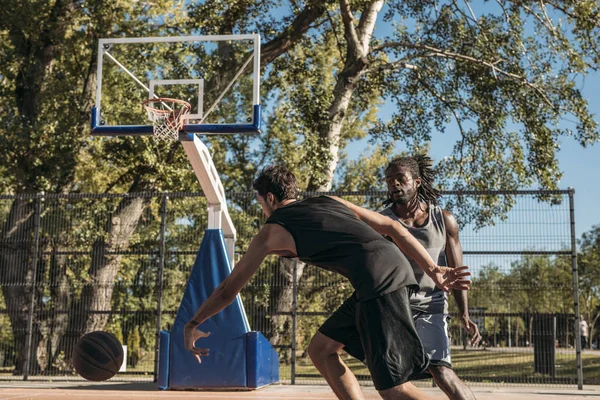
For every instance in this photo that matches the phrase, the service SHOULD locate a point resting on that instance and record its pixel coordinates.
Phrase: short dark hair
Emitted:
(277, 180)
(420, 166)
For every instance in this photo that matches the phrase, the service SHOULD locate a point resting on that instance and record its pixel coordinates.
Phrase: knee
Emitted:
(405, 390)
(450, 383)
(321, 346)
(443, 376)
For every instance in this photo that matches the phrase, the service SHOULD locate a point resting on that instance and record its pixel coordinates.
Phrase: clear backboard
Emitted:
(217, 75)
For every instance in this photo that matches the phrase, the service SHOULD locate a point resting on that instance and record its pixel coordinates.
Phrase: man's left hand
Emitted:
(447, 278)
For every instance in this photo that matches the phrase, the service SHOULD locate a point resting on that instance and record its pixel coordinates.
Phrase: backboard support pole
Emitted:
(206, 173)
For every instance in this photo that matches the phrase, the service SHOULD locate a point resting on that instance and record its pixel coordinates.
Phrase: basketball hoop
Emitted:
(167, 116)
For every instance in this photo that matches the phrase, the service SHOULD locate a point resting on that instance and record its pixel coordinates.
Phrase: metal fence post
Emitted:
(36, 248)
(575, 289)
(294, 314)
(554, 344)
(159, 282)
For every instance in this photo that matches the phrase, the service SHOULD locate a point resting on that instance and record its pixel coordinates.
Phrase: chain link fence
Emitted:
(70, 264)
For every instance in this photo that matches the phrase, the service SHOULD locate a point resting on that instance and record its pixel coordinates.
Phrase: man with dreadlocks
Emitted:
(413, 201)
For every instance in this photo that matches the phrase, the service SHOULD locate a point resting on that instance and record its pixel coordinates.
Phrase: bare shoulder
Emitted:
(450, 222)
(269, 233)
(275, 238)
(448, 215)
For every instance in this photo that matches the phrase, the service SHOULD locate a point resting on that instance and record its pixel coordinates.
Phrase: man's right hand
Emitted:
(447, 278)
(191, 333)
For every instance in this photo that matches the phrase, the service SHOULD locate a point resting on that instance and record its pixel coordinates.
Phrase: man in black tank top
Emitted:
(337, 235)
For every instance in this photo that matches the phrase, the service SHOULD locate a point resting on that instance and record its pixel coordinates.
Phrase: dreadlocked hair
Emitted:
(420, 166)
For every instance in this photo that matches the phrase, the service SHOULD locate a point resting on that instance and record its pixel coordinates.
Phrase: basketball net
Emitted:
(167, 116)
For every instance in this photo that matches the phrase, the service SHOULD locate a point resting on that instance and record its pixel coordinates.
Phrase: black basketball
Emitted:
(97, 356)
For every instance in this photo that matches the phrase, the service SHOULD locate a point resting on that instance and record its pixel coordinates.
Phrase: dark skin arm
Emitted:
(454, 258)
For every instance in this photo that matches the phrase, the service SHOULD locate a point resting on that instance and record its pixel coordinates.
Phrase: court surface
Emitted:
(91, 391)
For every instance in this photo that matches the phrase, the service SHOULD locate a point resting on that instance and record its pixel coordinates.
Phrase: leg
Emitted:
(393, 350)
(339, 331)
(406, 391)
(433, 331)
(323, 352)
(450, 383)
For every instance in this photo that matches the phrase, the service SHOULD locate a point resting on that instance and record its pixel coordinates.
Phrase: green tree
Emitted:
(41, 129)
(588, 263)
(533, 284)
(48, 65)
(541, 284)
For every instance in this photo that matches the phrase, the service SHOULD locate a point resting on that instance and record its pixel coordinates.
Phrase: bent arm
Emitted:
(225, 293)
(399, 234)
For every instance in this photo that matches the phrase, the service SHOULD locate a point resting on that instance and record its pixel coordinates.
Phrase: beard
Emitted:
(402, 198)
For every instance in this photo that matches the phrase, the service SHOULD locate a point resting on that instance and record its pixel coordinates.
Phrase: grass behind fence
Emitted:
(482, 366)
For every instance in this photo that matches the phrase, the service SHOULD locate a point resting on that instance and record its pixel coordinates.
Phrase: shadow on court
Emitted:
(121, 386)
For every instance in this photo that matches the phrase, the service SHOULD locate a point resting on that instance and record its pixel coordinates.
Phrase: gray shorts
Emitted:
(431, 328)
(433, 332)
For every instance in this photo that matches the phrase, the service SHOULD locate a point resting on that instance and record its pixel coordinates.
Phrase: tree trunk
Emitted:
(357, 39)
(35, 55)
(281, 299)
(15, 269)
(105, 266)
(92, 310)
(531, 330)
(58, 315)
(356, 64)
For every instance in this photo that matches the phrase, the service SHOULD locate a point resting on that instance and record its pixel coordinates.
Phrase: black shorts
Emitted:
(380, 332)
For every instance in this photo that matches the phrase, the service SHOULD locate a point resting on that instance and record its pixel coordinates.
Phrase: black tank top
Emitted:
(328, 234)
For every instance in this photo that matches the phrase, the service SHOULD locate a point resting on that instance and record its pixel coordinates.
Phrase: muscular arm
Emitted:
(399, 234)
(225, 293)
(454, 259)
(270, 239)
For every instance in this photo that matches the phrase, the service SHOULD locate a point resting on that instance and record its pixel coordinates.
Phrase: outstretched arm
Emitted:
(445, 278)
(224, 295)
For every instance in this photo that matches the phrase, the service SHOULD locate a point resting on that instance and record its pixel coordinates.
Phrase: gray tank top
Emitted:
(432, 236)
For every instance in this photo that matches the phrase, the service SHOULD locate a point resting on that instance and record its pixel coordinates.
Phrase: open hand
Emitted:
(472, 330)
(190, 335)
(447, 278)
